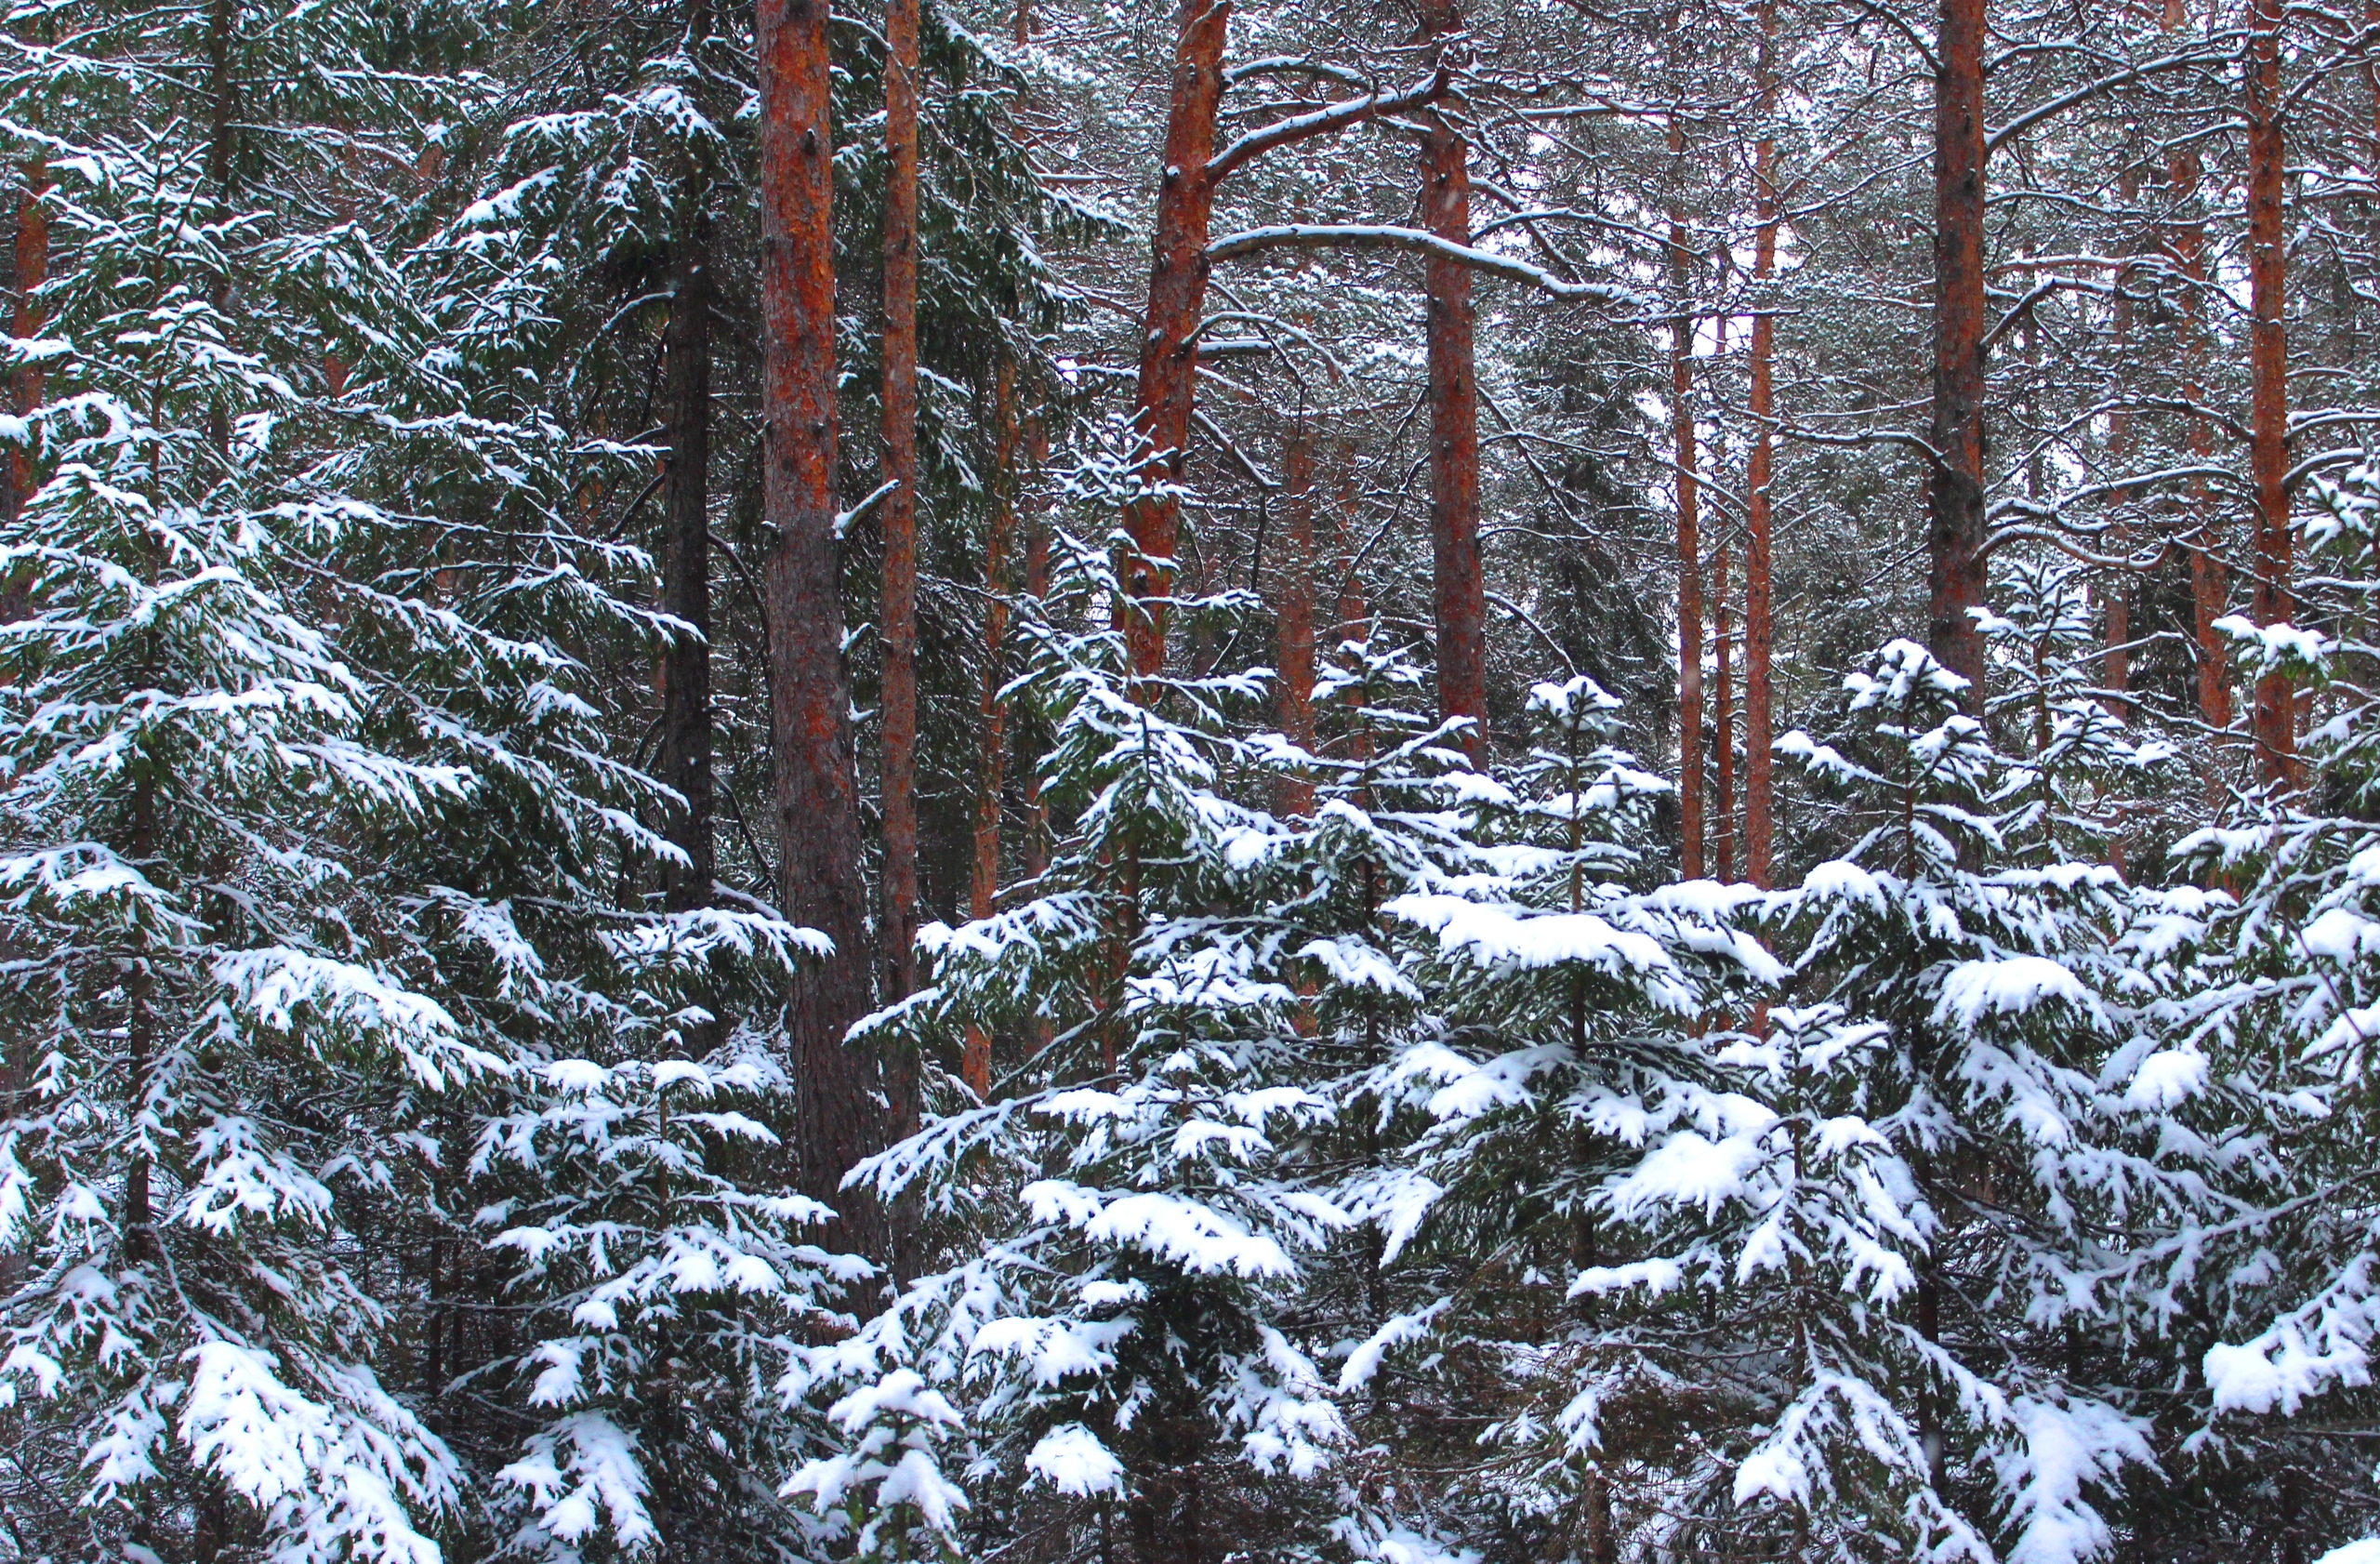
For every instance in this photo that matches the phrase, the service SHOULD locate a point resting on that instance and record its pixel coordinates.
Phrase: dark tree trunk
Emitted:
(685, 558)
(817, 802)
(900, 406)
(1034, 851)
(1689, 541)
(2269, 599)
(2210, 584)
(1759, 711)
(33, 270)
(1954, 501)
(1294, 613)
(1461, 589)
(1168, 376)
(991, 712)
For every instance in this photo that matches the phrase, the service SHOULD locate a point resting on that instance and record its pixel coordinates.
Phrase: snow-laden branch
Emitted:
(1324, 122)
(1998, 136)
(1331, 236)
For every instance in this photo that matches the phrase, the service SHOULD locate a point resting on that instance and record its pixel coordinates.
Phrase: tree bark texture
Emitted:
(1169, 377)
(1294, 613)
(1759, 710)
(685, 747)
(900, 406)
(2270, 598)
(1461, 589)
(1954, 498)
(817, 803)
(991, 711)
(1690, 537)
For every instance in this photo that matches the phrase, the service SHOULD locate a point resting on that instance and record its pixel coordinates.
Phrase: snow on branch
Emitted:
(1324, 121)
(1324, 237)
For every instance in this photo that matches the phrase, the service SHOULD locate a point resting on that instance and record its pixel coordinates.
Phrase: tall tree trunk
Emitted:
(991, 711)
(2269, 599)
(33, 270)
(1955, 517)
(685, 556)
(1461, 589)
(1168, 378)
(1689, 534)
(1294, 613)
(1034, 854)
(817, 802)
(1723, 725)
(2210, 585)
(2116, 671)
(900, 404)
(1759, 709)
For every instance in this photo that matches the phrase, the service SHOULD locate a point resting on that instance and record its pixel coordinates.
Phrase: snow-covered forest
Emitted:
(1404, 782)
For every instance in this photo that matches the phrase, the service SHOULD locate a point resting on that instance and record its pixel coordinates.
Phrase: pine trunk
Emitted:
(2269, 599)
(33, 270)
(685, 559)
(1759, 710)
(900, 406)
(1689, 542)
(1955, 499)
(991, 711)
(1169, 377)
(817, 802)
(1461, 589)
(2210, 584)
(1293, 613)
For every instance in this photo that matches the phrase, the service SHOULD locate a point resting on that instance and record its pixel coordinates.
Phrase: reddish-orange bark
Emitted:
(1689, 541)
(1460, 589)
(1168, 379)
(1955, 499)
(1759, 711)
(2270, 598)
(836, 1121)
(899, 401)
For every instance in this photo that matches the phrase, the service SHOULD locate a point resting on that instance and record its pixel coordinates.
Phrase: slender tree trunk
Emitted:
(2116, 672)
(1294, 613)
(818, 802)
(1955, 517)
(2210, 585)
(991, 711)
(1462, 601)
(1034, 853)
(900, 404)
(685, 557)
(1690, 536)
(1759, 709)
(222, 20)
(1722, 725)
(2269, 599)
(33, 270)
(1168, 376)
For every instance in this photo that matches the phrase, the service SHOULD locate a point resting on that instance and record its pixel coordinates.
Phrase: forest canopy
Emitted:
(1446, 782)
